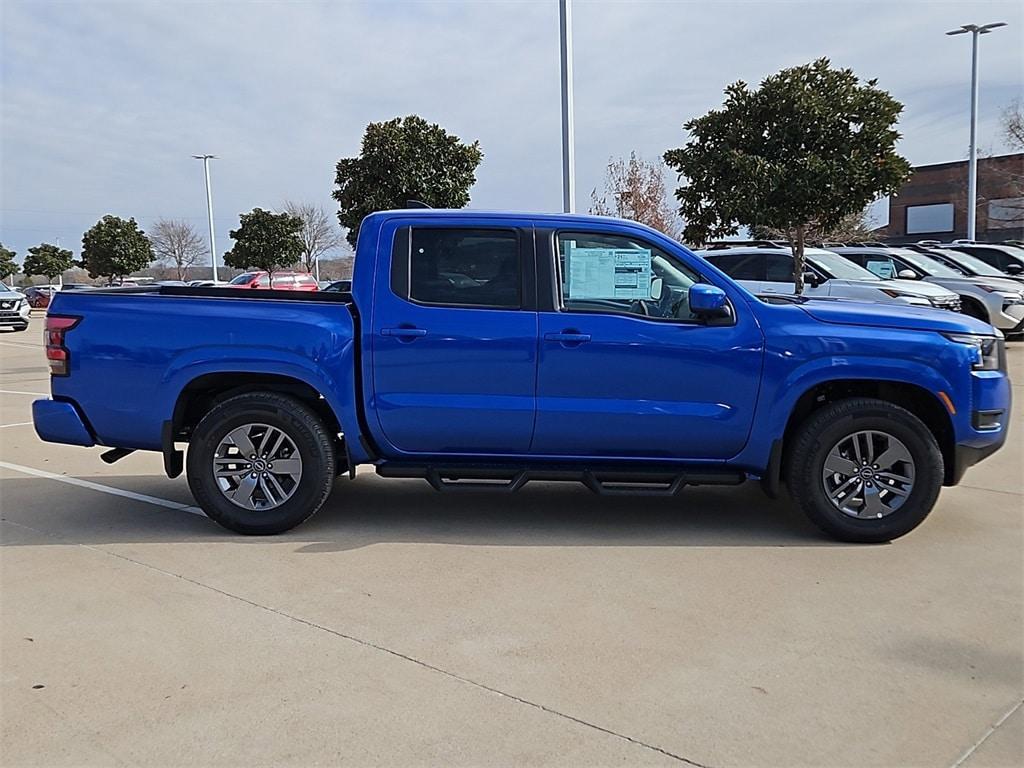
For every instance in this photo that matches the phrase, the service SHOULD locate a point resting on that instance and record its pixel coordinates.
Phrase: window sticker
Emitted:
(884, 269)
(608, 273)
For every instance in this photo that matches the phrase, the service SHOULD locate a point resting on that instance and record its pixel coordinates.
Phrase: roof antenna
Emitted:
(416, 204)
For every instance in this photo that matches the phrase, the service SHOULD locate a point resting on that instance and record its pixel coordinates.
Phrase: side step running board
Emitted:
(605, 482)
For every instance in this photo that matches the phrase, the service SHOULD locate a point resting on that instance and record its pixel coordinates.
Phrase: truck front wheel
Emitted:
(864, 470)
(260, 463)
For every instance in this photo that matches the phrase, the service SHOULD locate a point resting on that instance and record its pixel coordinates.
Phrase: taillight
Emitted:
(53, 336)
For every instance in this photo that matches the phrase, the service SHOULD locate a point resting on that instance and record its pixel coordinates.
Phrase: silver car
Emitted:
(14, 309)
(998, 301)
(767, 268)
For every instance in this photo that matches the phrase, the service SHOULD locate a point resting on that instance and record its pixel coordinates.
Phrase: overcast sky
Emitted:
(104, 102)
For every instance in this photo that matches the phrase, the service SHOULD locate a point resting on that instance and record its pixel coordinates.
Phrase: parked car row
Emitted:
(981, 280)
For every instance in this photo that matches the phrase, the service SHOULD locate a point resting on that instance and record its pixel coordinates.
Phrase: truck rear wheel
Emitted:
(864, 470)
(260, 463)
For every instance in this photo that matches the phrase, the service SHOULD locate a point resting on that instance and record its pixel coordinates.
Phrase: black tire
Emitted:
(300, 425)
(815, 438)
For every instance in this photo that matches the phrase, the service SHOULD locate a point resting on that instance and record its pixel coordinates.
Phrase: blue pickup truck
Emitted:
(484, 350)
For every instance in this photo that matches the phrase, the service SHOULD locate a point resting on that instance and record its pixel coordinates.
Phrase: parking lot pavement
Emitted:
(550, 627)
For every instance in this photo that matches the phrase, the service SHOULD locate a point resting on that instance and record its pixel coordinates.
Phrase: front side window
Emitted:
(464, 267)
(621, 275)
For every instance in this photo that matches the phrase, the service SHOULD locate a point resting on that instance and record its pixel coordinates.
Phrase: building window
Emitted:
(1006, 213)
(923, 219)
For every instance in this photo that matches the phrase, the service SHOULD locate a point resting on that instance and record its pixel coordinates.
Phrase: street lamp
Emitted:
(972, 162)
(568, 149)
(209, 210)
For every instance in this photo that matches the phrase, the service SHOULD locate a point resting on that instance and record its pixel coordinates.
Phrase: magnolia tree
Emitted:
(114, 248)
(404, 159)
(47, 260)
(808, 147)
(266, 241)
(8, 266)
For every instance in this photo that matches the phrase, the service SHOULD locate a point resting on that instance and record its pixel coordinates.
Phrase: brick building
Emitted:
(932, 205)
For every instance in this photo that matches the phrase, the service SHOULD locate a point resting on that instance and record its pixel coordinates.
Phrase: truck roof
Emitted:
(479, 213)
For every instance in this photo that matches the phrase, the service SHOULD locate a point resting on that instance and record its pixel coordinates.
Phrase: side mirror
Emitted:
(1014, 268)
(708, 301)
(907, 274)
(811, 278)
(657, 285)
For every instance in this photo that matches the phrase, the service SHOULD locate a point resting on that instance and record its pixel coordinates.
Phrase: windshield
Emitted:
(840, 267)
(972, 263)
(927, 264)
(3, 287)
(242, 279)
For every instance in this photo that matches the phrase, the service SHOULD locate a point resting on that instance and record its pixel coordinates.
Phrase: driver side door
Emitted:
(622, 376)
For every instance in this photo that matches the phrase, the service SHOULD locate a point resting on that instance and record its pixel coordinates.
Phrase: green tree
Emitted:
(404, 159)
(808, 147)
(114, 248)
(266, 241)
(47, 260)
(8, 266)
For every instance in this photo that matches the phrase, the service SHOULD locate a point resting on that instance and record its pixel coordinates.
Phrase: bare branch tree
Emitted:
(319, 233)
(635, 189)
(177, 244)
(1012, 120)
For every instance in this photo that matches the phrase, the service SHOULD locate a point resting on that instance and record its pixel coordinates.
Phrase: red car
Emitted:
(283, 281)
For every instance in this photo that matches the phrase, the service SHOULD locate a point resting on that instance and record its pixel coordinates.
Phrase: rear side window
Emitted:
(778, 268)
(740, 266)
(459, 268)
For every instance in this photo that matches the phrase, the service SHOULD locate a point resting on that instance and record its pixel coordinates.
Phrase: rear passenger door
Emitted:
(454, 344)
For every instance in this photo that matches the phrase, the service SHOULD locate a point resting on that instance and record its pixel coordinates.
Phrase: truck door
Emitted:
(454, 337)
(625, 370)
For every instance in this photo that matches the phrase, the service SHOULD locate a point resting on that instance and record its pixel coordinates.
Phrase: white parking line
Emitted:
(18, 392)
(102, 488)
(18, 424)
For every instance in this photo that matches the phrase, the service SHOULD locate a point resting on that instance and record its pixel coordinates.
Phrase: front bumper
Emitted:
(58, 421)
(14, 316)
(1009, 319)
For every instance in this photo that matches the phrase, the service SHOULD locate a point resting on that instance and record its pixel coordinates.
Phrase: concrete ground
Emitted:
(553, 627)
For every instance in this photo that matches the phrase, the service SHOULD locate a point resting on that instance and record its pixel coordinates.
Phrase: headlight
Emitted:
(910, 298)
(986, 350)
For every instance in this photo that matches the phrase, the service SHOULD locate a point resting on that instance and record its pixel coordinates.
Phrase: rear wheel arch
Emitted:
(205, 392)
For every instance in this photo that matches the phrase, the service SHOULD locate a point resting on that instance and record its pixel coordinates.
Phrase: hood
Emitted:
(880, 315)
(11, 295)
(999, 283)
(915, 288)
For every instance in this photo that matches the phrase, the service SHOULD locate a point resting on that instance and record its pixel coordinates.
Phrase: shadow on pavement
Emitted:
(370, 511)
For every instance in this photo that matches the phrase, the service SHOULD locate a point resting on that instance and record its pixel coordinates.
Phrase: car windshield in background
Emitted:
(840, 267)
(928, 265)
(973, 263)
(242, 279)
(4, 287)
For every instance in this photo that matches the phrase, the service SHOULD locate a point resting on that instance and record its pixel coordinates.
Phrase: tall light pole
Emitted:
(568, 148)
(972, 160)
(209, 210)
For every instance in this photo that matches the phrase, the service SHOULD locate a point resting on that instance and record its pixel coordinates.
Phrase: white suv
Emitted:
(998, 301)
(767, 268)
